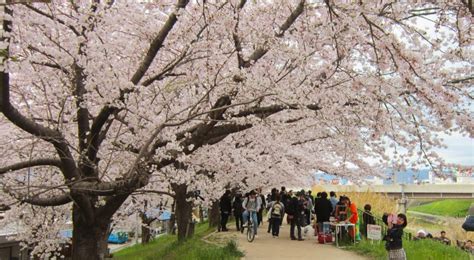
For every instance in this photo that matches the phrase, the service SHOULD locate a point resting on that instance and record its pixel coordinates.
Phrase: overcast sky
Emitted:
(460, 150)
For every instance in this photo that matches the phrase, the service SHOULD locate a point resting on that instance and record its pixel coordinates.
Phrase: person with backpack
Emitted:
(251, 205)
(277, 210)
(273, 195)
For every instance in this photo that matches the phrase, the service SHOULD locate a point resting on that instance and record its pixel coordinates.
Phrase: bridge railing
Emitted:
(379, 221)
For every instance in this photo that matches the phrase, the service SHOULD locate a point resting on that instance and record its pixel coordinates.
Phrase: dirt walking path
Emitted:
(266, 247)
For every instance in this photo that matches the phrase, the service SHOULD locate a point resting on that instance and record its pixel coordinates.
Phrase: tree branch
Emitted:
(154, 192)
(51, 65)
(31, 163)
(157, 43)
(155, 46)
(50, 201)
(38, 11)
(54, 137)
(261, 51)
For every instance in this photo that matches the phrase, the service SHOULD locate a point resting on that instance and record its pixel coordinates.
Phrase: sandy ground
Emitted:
(266, 247)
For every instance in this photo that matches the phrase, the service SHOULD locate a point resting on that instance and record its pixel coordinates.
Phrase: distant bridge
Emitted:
(411, 191)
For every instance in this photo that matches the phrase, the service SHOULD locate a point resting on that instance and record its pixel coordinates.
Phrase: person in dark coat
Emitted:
(274, 194)
(394, 236)
(284, 198)
(264, 204)
(296, 214)
(367, 218)
(323, 209)
(238, 210)
(225, 205)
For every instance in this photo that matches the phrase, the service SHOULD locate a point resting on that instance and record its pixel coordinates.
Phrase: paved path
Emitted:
(266, 247)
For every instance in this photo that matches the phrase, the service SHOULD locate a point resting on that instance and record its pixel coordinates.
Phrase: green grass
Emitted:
(450, 208)
(422, 249)
(167, 247)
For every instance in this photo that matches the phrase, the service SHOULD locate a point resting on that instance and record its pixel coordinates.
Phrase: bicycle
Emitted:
(250, 230)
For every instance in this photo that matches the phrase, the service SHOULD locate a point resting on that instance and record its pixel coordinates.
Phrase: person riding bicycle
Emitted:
(251, 206)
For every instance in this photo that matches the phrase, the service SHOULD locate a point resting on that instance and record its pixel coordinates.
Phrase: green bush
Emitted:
(421, 249)
(167, 247)
(233, 249)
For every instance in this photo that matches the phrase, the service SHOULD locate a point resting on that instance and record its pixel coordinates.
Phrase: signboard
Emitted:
(374, 232)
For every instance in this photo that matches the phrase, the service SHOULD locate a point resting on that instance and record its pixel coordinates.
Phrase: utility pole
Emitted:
(402, 202)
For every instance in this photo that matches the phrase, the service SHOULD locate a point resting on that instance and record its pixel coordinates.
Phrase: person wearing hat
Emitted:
(251, 205)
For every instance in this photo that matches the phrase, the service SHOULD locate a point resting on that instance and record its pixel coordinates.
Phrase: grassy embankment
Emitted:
(167, 247)
(448, 208)
(422, 249)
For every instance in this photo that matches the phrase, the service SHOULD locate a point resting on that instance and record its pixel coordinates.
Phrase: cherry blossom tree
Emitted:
(104, 99)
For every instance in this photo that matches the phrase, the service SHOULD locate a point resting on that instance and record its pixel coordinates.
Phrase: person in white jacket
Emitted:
(251, 205)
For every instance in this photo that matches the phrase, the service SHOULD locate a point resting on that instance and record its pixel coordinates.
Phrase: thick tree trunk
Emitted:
(183, 212)
(146, 234)
(89, 240)
(171, 224)
(214, 215)
(171, 229)
(201, 214)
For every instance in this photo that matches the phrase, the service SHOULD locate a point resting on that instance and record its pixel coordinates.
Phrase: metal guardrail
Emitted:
(379, 221)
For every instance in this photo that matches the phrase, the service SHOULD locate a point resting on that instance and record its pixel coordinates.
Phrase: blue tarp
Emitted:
(161, 214)
(118, 238)
(166, 215)
(115, 237)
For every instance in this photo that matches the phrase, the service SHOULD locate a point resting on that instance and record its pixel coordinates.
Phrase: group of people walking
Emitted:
(300, 209)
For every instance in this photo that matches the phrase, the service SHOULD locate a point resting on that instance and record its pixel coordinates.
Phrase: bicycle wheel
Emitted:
(250, 233)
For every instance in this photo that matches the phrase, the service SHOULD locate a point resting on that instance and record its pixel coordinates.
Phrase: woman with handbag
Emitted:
(396, 224)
